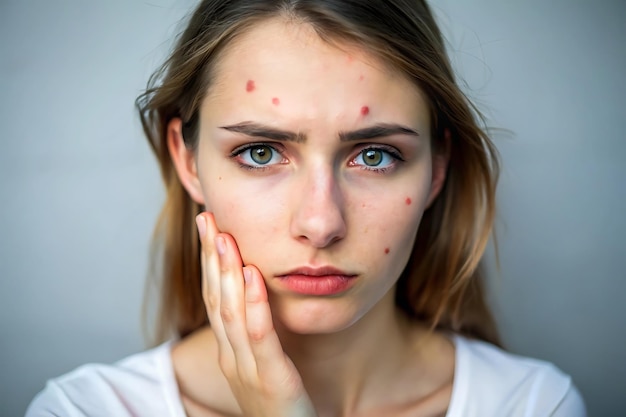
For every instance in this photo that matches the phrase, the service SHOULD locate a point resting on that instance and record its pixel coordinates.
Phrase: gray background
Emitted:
(80, 190)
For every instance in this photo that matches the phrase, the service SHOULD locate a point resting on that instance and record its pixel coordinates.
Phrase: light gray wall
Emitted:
(80, 191)
(553, 73)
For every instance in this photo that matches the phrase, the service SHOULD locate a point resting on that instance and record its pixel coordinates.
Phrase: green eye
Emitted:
(378, 158)
(372, 157)
(261, 154)
(258, 156)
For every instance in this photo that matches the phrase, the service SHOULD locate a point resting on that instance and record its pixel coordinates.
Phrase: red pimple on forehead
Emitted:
(408, 201)
(386, 250)
(275, 101)
(365, 110)
(250, 86)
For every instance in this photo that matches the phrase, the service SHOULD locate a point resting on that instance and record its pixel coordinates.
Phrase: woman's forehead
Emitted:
(285, 67)
(279, 44)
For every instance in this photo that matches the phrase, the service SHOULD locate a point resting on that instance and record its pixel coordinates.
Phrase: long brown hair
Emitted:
(442, 283)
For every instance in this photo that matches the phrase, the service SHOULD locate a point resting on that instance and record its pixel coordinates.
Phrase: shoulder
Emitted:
(140, 385)
(489, 381)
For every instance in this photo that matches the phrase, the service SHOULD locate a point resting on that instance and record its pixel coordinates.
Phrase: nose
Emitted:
(318, 216)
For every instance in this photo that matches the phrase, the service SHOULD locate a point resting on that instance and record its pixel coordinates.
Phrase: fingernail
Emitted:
(247, 275)
(201, 223)
(220, 244)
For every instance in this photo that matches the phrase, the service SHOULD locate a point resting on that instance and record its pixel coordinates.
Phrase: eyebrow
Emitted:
(379, 130)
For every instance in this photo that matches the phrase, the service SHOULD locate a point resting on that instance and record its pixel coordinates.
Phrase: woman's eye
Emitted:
(372, 157)
(375, 159)
(261, 154)
(258, 155)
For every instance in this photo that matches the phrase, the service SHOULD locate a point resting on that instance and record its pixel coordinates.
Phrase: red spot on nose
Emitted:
(386, 250)
(408, 201)
(250, 86)
(275, 101)
(365, 110)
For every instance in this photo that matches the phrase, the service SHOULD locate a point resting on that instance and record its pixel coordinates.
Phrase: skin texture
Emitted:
(317, 203)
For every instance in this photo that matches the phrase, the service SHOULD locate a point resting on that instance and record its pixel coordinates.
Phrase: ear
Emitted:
(441, 159)
(184, 161)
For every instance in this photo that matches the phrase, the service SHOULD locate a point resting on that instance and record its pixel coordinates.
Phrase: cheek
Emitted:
(385, 241)
(250, 216)
(396, 243)
(387, 225)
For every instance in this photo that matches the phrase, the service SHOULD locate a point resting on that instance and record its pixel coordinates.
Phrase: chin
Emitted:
(313, 316)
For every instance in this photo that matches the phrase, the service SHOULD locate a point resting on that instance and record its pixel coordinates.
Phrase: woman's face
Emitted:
(317, 160)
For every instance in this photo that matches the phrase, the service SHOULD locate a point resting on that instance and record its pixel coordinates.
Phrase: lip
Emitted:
(322, 281)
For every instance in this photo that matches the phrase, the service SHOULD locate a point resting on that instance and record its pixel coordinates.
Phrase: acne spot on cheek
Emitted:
(365, 111)
(275, 101)
(386, 251)
(361, 77)
(408, 201)
(250, 86)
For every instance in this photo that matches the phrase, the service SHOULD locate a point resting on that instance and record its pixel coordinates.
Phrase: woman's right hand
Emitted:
(263, 379)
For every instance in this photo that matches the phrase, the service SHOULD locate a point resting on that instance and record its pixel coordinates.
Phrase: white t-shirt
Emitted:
(487, 382)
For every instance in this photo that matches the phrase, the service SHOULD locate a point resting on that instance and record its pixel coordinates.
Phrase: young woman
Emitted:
(329, 197)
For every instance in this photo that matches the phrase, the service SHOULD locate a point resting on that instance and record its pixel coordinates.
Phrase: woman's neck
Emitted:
(362, 366)
(384, 360)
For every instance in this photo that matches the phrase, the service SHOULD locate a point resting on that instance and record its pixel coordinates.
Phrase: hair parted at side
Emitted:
(442, 283)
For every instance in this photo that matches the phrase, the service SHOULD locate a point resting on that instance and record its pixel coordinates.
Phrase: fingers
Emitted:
(264, 341)
(210, 263)
(233, 310)
(211, 286)
(251, 357)
(223, 293)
